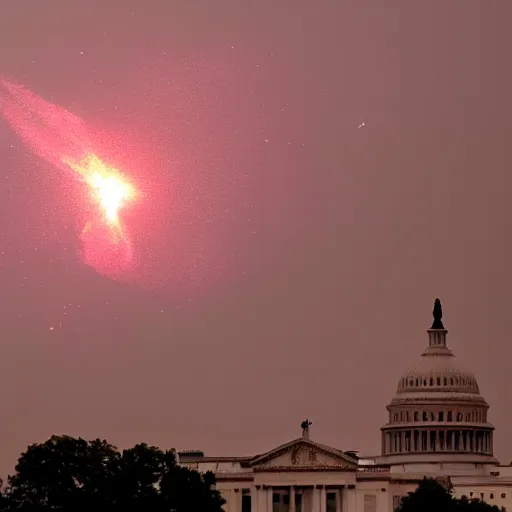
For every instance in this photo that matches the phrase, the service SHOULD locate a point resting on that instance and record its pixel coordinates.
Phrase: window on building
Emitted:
(397, 500)
(445, 381)
(441, 416)
(449, 416)
(276, 498)
(416, 416)
(503, 495)
(331, 502)
(425, 416)
(246, 503)
(438, 381)
(370, 503)
(491, 496)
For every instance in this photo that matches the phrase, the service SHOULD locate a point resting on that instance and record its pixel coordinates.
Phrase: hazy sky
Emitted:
(288, 257)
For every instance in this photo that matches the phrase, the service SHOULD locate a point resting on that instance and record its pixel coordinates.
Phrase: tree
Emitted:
(431, 496)
(62, 474)
(74, 475)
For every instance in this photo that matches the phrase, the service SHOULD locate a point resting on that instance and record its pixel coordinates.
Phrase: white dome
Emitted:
(437, 414)
(437, 370)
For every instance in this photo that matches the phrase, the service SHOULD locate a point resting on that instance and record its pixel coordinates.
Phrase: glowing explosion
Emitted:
(61, 138)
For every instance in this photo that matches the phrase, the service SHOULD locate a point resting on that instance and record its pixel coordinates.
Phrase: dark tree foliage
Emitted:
(73, 475)
(431, 496)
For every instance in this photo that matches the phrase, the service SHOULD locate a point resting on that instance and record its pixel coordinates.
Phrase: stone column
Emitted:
(429, 448)
(232, 501)
(338, 500)
(316, 499)
(351, 499)
(402, 442)
(438, 443)
(255, 499)
(323, 499)
(262, 500)
(270, 499)
(292, 499)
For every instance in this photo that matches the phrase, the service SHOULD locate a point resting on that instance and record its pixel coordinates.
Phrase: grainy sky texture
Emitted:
(287, 254)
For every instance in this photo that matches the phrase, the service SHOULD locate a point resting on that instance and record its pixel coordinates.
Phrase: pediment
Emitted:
(304, 454)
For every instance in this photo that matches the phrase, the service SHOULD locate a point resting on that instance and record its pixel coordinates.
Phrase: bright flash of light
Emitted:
(109, 187)
(64, 141)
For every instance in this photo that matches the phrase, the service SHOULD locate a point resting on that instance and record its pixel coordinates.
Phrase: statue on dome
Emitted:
(438, 315)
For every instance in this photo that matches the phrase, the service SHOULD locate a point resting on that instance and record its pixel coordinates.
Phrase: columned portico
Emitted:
(304, 498)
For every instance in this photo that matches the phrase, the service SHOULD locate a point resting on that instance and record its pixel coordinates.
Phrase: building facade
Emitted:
(437, 428)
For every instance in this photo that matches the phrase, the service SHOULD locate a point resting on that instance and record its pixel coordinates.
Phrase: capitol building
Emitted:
(437, 427)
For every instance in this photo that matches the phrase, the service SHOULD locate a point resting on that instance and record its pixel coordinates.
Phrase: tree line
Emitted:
(74, 475)
(432, 496)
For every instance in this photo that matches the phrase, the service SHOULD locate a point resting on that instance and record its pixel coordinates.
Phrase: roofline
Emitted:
(185, 458)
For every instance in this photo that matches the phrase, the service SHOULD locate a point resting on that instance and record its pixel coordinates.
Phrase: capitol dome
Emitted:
(437, 414)
(438, 370)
